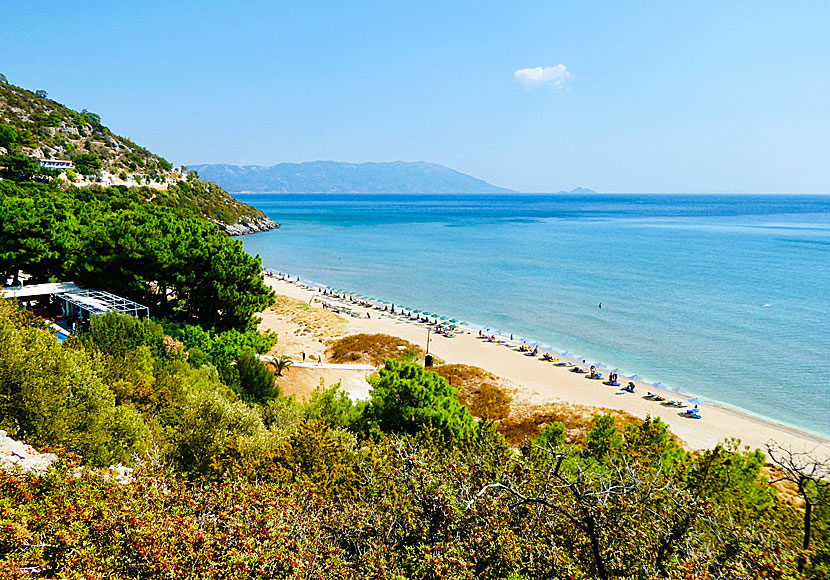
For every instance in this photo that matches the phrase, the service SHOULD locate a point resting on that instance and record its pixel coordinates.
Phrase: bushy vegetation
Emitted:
(206, 199)
(405, 485)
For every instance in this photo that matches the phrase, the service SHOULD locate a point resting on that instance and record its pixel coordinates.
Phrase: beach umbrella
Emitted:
(682, 391)
(536, 344)
(453, 320)
(659, 385)
(601, 366)
(567, 354)
(417, 311)
(636, 378)
(462, 323)
(697, 401)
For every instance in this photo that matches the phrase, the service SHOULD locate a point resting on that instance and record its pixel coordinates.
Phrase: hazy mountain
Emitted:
(336, 177)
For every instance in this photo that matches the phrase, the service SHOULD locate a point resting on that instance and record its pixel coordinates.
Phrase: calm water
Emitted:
(724, 296)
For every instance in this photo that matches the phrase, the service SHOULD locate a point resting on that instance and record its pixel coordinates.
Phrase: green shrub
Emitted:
(552, 436)
(209, 419)
(406, 399)
(118, 334)
(332, 406)
(256, 381)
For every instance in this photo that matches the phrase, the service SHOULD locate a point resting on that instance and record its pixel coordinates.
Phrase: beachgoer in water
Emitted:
(600, 304)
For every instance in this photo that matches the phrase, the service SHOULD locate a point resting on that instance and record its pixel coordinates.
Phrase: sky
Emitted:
(644, 97)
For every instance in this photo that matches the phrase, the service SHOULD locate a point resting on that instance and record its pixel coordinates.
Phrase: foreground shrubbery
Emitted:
(405, 485)
(324, 506)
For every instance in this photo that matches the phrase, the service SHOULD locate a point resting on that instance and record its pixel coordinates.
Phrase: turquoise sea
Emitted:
(727, 297)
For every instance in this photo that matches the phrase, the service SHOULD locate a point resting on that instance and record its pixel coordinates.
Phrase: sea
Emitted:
(726, 297)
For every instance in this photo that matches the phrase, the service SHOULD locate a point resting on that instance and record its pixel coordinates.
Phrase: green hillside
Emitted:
(44, 129)
(34, 128)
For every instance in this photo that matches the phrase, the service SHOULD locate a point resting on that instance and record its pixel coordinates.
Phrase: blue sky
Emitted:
(639, 96)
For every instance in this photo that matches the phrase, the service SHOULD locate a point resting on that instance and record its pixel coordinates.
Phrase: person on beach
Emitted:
(320, 359)
(303, 356)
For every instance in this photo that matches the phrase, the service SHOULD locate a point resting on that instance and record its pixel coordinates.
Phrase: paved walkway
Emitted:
(314, 365)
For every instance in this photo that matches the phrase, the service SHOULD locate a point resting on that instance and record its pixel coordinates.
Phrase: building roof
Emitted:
(35, 290)
(101, 302)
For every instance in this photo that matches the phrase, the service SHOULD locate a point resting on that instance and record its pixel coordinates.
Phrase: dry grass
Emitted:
(480, 391)
(371, 349)
(484, 395)
(315, 321)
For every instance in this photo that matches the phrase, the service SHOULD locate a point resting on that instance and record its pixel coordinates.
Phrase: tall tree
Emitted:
(811, 476)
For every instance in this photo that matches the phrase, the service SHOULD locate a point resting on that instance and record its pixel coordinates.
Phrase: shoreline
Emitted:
(541, 382)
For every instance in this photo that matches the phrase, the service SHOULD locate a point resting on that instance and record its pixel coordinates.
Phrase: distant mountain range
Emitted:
(337, 177)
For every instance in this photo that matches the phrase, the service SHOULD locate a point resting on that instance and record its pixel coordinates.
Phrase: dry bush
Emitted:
(478, 390)
(526, 423)
(371, 349)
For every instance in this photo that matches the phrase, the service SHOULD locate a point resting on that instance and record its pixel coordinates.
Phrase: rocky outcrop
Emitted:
(249, 226)
(15, 454)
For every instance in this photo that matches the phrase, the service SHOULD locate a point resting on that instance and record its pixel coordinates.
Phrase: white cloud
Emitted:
(533, 77)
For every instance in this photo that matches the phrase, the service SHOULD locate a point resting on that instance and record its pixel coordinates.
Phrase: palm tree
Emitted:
(281, 363)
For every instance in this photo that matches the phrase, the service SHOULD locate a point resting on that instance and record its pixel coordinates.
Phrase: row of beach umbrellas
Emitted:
(658, 385)
(399, 307)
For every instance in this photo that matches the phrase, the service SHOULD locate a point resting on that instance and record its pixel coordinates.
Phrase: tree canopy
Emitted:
(179, 265)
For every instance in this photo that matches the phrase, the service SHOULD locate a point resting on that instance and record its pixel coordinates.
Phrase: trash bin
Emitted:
(427, 361)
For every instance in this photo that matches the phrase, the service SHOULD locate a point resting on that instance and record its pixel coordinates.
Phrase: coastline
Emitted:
(539, 382)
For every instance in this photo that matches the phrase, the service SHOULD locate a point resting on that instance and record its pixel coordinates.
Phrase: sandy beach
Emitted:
(536, 381)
